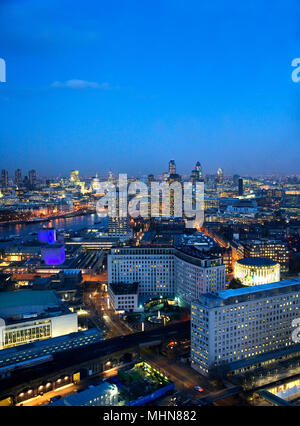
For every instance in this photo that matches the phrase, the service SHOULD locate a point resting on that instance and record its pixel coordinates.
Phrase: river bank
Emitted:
(26, 230)
(48, 219)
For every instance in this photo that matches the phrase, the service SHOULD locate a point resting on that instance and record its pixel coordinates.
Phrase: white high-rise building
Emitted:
(166, 271)
(152, 268)
(196, 273)
(239, 329)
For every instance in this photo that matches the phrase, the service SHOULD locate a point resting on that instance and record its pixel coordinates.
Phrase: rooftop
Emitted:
(257, 261)
(124, 288)
(257, 359)
(225, 294)
(228, 297)
(16, 354)
(194, 253)
(12, 299)
(90, 394)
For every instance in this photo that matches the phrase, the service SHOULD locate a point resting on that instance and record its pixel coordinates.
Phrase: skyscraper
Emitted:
(241, 186)
(4, 178)
(32, 178)
(236, 179)
(18, 178)
(196, 175)
(220, 175)
(199, 170)
(172, 167)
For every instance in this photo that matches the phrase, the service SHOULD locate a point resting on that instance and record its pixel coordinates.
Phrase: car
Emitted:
(198, 389)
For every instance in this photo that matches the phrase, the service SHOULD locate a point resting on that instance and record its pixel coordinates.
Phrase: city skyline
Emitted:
(104, 173)
(205, 85)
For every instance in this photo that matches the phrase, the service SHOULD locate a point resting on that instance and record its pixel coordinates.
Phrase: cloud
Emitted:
(81, 84)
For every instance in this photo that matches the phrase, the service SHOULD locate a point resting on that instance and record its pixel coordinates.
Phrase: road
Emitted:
(115, 326)
(102, 315)
(184, 377)
(72, 358)
(222, 394)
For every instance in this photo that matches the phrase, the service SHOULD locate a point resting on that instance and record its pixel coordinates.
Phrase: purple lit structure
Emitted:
(53, 254)
(47, 235)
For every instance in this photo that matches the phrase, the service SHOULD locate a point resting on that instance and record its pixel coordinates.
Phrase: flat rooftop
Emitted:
(87, 395)
(13, 356)
(30, 305)
(123, 288)
(226, 297)
(225, 294)
(14, 299)
(257, 262)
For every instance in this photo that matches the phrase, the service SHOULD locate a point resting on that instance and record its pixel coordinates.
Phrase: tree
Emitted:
(235, 283)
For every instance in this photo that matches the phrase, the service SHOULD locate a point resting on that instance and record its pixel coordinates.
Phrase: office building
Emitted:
(123, 297)
(32, 178)
(18, 178)
(166, 271)
(236, 330)
(119, 227)
(172, 167)
(235, 179)
(241, 187)
(4, 178)
(197, 272)
(272, 249)
(152, 268)
(196, 175)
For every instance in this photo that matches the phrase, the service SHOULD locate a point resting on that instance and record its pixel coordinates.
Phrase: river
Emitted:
(74, 223)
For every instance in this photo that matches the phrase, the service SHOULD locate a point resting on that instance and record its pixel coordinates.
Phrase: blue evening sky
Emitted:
(128, 84)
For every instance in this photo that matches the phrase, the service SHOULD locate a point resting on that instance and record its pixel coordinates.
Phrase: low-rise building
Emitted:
(256, 270)
(123, 297)
(105, 394)
(28, 316)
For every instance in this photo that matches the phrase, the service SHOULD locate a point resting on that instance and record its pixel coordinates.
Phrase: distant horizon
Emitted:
(102, 174)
